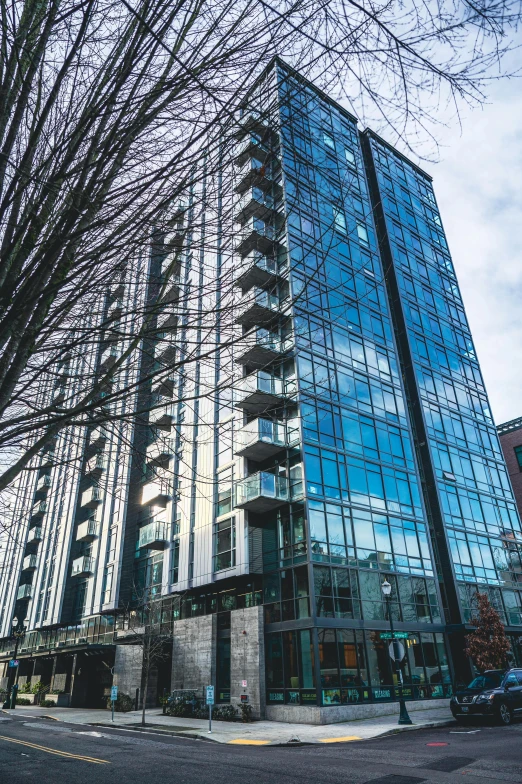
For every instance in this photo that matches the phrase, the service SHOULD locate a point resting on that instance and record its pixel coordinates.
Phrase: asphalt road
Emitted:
(47, 751)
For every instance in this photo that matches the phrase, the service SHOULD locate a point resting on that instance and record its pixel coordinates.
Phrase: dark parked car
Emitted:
(495, 693)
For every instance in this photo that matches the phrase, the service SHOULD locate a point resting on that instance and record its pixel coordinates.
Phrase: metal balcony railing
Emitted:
(154, 535)
(39, 509)
(259, 392)
(29, 562)
(262, 492)
(83, 566)
(35, 535)
(257, 234)
(95, 465)
(25, 591)
(87, 531)
(258, 307)
(160, 452)
(98, 436)
(162, 418)
(257, 269)
(43, 484)
(108, 359)
(156, 493)
(260, 439)
(261, 347)
(255, 202)
(252, 146)
(91, 497)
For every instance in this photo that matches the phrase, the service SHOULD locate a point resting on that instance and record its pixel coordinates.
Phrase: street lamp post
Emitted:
(18, 632)
(403, 713)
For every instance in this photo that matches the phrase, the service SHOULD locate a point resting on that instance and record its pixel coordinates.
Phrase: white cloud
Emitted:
(478, 185)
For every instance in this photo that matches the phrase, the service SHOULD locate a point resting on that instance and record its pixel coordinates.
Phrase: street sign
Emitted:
(114, 693)
(243, 684)
(395, 636)
(396, 650)
(13, 663)
(210, 695)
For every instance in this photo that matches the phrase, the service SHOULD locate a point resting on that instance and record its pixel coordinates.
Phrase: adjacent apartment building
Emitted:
(340, 437)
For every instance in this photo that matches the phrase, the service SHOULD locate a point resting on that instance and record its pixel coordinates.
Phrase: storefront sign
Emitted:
(396, 635)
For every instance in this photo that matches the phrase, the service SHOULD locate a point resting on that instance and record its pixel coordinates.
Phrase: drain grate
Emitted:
(448, 764)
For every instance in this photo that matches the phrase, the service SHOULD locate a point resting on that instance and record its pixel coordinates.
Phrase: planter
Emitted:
(60, 700)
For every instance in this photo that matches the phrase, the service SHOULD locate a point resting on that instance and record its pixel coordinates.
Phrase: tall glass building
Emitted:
(340, 435)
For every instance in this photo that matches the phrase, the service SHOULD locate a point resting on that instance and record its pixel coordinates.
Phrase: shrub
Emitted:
(47, 704)
(123, 704)
(25, 689)
(38, 686)
(185, 706)
(23, 701)
(246, 712)
(225, 713)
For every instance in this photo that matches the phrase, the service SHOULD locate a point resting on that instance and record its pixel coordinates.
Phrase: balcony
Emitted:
(171, 294)
(95, 466)
(258, 307)
(262, 492)
(163, 388)
(155, 493)
(252, 146)
(98, 437)
(261, 347)
(253, 121)
(165, 352)
(255, 202)
(108, 359)
(39, 509)
(91, 497)
(261, 439)
(167, 322)
(259, 270)
(257, 235)
(83, 566)
(153, 536)
(29, 563)
(259, 392)
(171, 264)
(160, 452)
(59, 394)
(43, 484)
(25, 591)
(116, 291)
(115, 310)
(48, 458)
(87, 531)
(160, 417)
(35, 535)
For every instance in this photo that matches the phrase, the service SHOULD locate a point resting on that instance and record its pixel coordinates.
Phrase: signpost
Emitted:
(14, 663)
(210, 702)
(114, 697)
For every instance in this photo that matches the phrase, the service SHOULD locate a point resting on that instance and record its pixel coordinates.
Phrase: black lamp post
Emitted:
(17, 632)
(403, 714)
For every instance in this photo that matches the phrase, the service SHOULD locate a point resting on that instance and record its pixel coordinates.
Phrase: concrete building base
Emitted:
(247, 659)
(334, 714)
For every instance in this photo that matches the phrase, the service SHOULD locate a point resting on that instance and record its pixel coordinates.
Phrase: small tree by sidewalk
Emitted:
(145, 629)
(488, 645)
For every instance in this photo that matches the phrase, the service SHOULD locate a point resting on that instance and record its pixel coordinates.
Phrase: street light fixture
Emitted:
(18, 631)
(403, 713)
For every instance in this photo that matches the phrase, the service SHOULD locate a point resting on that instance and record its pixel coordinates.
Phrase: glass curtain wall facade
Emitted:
(338, 436)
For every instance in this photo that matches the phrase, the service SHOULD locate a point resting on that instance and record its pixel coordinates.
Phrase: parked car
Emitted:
(496, 694)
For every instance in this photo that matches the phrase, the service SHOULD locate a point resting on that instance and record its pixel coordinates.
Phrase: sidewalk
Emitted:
(259, 733)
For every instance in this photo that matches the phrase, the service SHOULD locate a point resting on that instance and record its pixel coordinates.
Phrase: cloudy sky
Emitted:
(478, 184)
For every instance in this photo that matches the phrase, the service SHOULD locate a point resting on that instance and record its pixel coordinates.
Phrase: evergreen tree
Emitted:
(488, 645)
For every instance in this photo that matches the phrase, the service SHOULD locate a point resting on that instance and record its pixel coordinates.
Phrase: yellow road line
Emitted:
(340, 740)
(245, 742)
(59, 753)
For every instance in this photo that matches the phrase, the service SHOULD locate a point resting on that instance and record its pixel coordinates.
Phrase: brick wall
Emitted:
(508, 442)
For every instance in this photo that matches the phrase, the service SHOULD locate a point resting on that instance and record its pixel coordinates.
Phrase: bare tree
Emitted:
(111, 113)
(143, 626)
